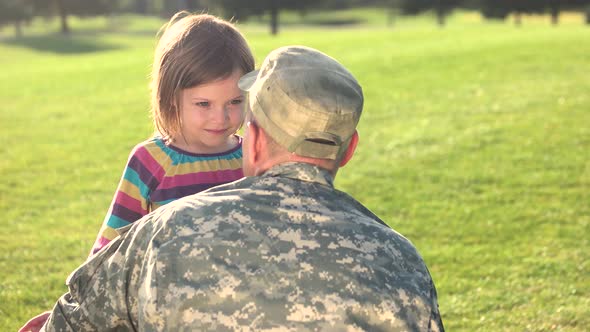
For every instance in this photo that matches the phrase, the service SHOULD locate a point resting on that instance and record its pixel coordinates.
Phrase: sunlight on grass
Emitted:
(474, 145)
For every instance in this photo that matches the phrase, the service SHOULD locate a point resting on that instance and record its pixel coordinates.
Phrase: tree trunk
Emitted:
(169, 8)
(274, 17)
(440, 13)
(193, 5)
(554, 12)
(18, 30)
(65, 29)
(181, 5)
(440, 18)
(390, 17)
(141, 7)
(517, 18)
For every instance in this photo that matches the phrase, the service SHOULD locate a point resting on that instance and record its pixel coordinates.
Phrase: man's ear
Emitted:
(253, 143)
(354, 140)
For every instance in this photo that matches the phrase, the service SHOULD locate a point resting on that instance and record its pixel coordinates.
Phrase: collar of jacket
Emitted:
(301, 171)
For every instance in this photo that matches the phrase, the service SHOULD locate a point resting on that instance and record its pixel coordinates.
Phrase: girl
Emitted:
(196, 109)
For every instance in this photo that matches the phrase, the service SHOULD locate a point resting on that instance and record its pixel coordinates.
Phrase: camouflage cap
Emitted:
(305, 100)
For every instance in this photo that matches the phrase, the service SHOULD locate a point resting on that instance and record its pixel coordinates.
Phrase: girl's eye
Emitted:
(202, 104)
(236, 101)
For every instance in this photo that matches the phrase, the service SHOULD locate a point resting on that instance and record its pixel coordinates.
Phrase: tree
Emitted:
(500, 9)
(495, 9)
(274, 16)
(15, 12)
(579, 5)
(85, 8)
(141, 7)
(521, 7)
(554, 8)
(240, 9)
(65, 8)
(442, 8)
(62, 11)
(392, 8)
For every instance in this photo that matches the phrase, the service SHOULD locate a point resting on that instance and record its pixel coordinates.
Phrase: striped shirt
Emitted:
(157, 174)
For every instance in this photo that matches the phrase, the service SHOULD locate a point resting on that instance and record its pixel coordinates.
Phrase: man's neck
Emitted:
(293, 158)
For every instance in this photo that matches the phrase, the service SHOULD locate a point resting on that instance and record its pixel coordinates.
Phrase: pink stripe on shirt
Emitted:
(216, 177)
(130, 203)
(148, 161)
(100, 243)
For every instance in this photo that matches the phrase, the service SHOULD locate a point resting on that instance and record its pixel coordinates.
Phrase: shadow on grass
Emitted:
(335, 22)
(320, 22)
(61, 44)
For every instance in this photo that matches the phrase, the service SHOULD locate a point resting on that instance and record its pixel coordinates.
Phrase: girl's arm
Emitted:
(132, 197)
(34, 324)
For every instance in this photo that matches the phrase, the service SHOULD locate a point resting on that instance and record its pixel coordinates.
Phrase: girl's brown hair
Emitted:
(193, 49)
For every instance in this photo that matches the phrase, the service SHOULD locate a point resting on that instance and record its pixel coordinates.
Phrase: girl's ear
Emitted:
(354, 140)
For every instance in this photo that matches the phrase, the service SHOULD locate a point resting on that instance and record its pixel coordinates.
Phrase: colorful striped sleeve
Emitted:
(141, 176)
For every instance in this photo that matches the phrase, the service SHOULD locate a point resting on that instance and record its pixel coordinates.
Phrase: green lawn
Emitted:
(475, 144)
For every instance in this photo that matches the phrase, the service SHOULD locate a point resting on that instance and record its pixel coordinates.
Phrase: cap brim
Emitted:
(248, 80)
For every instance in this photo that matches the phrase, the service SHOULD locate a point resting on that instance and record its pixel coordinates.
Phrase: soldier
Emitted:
(281, 249)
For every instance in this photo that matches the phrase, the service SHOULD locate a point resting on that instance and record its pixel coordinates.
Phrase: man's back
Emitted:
(281, 250)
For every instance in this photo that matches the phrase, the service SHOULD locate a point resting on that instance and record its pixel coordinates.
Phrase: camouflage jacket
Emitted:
(282, 251)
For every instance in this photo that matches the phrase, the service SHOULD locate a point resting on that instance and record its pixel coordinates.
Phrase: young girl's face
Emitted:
(210, 114)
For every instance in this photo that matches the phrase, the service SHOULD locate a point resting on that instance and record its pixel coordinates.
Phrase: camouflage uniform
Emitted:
(283, 251)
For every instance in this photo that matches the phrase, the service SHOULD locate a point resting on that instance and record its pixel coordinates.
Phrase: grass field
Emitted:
(475, 144)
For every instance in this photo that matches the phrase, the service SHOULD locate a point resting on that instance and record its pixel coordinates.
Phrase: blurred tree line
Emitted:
(20, 12)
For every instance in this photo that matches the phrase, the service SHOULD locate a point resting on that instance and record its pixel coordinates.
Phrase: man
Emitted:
(279, 250)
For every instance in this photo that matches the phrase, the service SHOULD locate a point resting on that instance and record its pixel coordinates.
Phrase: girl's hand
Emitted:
(36, 323)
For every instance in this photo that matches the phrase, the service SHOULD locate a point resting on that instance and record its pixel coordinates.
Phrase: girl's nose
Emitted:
(221, 114)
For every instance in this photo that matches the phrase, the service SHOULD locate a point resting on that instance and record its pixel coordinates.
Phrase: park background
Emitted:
(475, 139)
